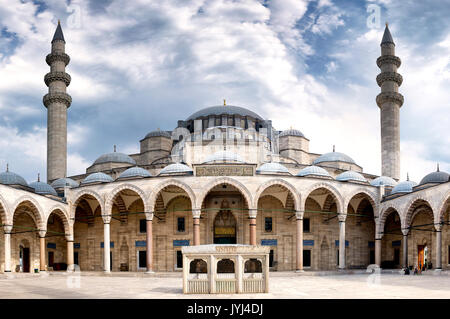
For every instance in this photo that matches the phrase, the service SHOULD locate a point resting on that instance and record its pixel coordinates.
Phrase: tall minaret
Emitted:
(57, 101)
(389, 102)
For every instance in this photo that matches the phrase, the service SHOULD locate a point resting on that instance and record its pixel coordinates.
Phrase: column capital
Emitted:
(7, 229)
(405, 231)
(438, 227)
(252, 213)
(196, 212)
(149, 216)
(42, 233)
(342, 218)
(69, 238)
(106, 219)
(299, 214)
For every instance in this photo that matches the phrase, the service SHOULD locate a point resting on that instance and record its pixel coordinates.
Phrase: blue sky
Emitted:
(141, 65)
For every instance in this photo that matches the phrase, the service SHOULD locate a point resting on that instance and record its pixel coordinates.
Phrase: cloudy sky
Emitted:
(141, 65)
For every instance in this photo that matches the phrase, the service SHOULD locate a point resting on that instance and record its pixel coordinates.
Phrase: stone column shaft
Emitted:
(439, 249)
(405, 251)
(252, 231)
(341, 244)
(378, 251)
(8, 248)
(70, 260)
(196, 231)
(149, 244)
(299, 263)
(106, 247)
(42, 253)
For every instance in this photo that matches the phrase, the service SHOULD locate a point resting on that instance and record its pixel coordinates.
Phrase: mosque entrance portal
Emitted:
(225, 225)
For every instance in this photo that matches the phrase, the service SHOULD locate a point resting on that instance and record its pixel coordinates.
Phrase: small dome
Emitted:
(292, 132)
(224, 109)
(313, 171)
(134, 172)
(404, 187)
(224, 156)
(10, 178)
(158, 133)
(383, 180)
(43, 188)
(351, 176)
(435, 177)
(63, 182)
(334, 157)
(272, 168)
(176, 168)
(115, 157)
(97, 178)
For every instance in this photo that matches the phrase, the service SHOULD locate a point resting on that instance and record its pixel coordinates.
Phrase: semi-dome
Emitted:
(351, 176)
(115, 157)
(291, 132)
(383, 181)
(223, 156)
(176, 168)
(135, 172)
(63, 182)
(313, 171)
(272, 168)
(158, 133)
(10, 178)
(42, 188)
(97, 178)
(436, 177)
(224, 110)
(404, 187)
(334, 157)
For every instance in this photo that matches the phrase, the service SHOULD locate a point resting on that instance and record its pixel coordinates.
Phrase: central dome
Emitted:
(224, 109)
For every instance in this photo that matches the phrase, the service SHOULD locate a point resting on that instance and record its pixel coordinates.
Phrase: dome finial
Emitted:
(7, 167)
(224, 102)
(387, 24)
(39, 177)
(334, 148)
(115, 148)
(437, 167)
(407, 176)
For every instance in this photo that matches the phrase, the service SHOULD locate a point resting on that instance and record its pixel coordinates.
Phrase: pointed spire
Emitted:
(437, 167)
(407, 176)
(58, 33)
(387, 37)
(115, 148)
(224, 102)
(7, 167)
(39, 177)
(334, 148)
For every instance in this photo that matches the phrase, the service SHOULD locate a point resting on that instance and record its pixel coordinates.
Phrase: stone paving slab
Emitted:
(282, 285)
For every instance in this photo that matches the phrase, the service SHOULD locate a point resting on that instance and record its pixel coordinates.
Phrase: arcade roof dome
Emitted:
(10, 178)
(42, 188)
(351, 176)
(383, 180)
(222, 110)
(404, 187)
(134, 172)
(97, 178)
(176, 168)
(334, 157)
(272, 168)
(62, 182)
(313, 171)
(115, 157)
(436, 177)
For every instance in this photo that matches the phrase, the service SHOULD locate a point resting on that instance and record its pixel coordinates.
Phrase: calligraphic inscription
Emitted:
(224, 170)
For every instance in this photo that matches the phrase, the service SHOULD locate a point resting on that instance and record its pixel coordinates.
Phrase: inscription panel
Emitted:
(224, 170)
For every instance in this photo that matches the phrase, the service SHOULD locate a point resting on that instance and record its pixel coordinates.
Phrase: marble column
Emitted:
(438, 247)
(378, 251)
(7, 229)
(405, 249)
(341, 242)
(252, 217)
(42, 266)
(70, 260)
(149, 244)
(299, 260)
(106, 247)
(196, 217)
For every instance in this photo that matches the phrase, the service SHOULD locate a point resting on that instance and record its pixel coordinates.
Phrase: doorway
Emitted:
(26, 259)
(420, 256)
(51, 257)
(225, 225)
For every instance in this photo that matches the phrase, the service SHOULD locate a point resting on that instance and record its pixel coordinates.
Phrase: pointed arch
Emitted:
(5, 213)
(336, 194)
(78, 196)
(230, 181)
(171, 182)
(61, 212)
(440, 212)
(370, 196)
(36, 210)
(110, 199)
(278, 181)
(411, 209)
(385, 213)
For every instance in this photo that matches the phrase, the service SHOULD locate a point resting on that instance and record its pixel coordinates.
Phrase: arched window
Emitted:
(225, 266)
(213, 137)
(198, 266)
(180, 138)
(253, 266)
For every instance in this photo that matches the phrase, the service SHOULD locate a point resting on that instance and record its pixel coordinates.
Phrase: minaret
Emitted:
(389, 101)
(57, 101)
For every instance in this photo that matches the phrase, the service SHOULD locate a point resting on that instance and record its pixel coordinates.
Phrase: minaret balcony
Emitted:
(57, 76)
(57, 56)
(389, 76)
(393, 97)
(51, 98)
(389, 59)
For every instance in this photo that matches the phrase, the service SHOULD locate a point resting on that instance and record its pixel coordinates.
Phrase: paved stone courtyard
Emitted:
(168, 286)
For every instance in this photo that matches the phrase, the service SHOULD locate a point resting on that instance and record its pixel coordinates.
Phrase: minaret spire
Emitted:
(389, 101)
(57, 101)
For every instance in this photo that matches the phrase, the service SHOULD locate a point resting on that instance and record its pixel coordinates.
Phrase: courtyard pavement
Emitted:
(169, 285)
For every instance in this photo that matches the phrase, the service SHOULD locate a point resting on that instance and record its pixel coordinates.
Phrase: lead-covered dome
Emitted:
(134, 172)
(435, 178)
(291, 132)
(158, 133)
(97, 178)
(223, 157)
(351, 176)
(10, 178)
(276, 168)
(63, 182)
(383, 180)
(42, 188)
(334, 157)
(224, 110)
(404, 187)
(313, 171)
(115, 157)
(176, 168)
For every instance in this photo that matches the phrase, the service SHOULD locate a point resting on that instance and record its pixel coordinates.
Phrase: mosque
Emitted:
(223, 175)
